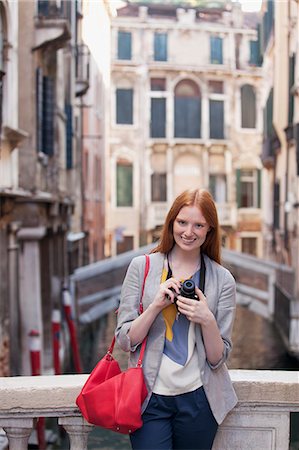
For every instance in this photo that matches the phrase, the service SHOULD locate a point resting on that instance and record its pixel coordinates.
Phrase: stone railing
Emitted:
(261, 419)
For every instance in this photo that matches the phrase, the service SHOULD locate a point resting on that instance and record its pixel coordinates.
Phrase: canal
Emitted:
(257, 345)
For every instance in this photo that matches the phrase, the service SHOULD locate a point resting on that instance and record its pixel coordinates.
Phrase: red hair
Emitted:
(204, 201)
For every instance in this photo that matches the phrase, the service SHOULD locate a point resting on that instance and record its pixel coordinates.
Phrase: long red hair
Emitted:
(204, 201)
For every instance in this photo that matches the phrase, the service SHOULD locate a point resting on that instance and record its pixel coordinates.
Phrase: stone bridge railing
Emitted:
(261, 419)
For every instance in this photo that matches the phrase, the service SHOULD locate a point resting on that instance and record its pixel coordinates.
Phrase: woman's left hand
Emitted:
(195, 310)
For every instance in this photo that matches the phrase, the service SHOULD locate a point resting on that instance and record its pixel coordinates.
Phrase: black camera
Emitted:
(187, 290)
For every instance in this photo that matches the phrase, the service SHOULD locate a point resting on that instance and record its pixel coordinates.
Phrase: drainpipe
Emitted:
(13, 292)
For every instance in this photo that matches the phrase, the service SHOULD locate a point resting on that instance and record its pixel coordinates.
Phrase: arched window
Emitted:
(124, 183)
(187, 110)
(248, 107)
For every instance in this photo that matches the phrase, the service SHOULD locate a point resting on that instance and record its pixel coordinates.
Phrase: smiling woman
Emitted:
(188, 337)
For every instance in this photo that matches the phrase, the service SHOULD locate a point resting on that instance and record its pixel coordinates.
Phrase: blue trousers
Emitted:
(181, 422)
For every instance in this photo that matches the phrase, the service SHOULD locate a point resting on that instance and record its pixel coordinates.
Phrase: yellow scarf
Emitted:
(170, 312)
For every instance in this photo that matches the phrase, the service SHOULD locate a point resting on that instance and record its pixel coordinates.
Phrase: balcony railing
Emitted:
(156, 214)
(53, 23)
(261, 419)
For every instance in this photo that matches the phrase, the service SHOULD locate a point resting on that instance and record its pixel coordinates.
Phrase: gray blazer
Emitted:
(220, 290)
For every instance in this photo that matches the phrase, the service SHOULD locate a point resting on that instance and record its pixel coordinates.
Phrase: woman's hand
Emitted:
(195, 311)
(199, 312)
(166, 294)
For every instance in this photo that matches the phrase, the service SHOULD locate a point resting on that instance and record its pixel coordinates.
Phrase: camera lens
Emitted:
(188, 287)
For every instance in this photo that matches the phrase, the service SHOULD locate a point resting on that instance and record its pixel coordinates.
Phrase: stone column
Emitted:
(78, 430)
(17, 432)
(30, 289)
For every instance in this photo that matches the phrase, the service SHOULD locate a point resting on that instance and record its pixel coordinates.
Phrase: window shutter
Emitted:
(248, 107)
(124, 184)
(124, 45)
(48, 116)
(238, 187)
(124, 106)
(254, 53)
(39, 109)
(160, 47)
(276, 205)
(69, 136)
(43, 7)
(216, 50)
(187, 118)
(259, 188)
(158, 117)
(216, 119)
(291, 83)
(159, 187)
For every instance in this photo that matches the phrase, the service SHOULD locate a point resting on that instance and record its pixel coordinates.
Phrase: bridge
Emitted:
(264, 287)
(268, 401)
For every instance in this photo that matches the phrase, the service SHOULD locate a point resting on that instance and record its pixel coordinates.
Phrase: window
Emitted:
(216, 87)
(248, 107)
(187, 110)
(159, 187)
(249, 245)
(216, 50)
(158, 84)
(276, 208)
(160, 46)
(124, 47)
(69, 135)
(45, 97)
(125, 244)
(124, 106)
(124, 183)
(248, 188)
(158, 117)
(254, 53)
(217, 186)
(216, 119)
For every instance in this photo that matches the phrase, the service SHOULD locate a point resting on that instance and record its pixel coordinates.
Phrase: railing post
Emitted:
(18, 432)
(78, 429)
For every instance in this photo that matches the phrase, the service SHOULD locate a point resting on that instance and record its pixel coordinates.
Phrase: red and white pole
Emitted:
(56, 326)
(35, 360)
(67, 305)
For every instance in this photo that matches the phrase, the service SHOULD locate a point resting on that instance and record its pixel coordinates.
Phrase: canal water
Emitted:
(257, 345)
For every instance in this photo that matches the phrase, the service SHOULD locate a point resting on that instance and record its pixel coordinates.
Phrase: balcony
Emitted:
(82, 69)
(156, 215)
(261, 420)
(52, 24)
(227, 214)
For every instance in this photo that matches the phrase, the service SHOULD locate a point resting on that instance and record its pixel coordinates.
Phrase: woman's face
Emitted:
(190, 228)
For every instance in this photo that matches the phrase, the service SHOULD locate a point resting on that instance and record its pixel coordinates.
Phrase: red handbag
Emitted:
(110, 398)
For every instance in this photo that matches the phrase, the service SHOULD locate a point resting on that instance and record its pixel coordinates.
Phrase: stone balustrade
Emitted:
(261, 419)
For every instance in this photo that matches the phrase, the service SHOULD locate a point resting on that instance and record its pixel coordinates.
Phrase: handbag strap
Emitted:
(110, 349)
(146, 270)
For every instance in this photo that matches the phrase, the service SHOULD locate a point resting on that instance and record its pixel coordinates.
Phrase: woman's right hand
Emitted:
(167, 292)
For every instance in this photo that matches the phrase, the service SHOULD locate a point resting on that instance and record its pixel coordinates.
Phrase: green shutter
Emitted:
(124, 184)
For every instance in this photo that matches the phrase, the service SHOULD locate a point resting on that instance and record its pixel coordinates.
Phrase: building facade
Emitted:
(40, 190)
(280, 152)
(185, 113)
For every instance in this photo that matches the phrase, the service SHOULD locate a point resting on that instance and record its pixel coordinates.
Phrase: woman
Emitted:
(189, 339)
